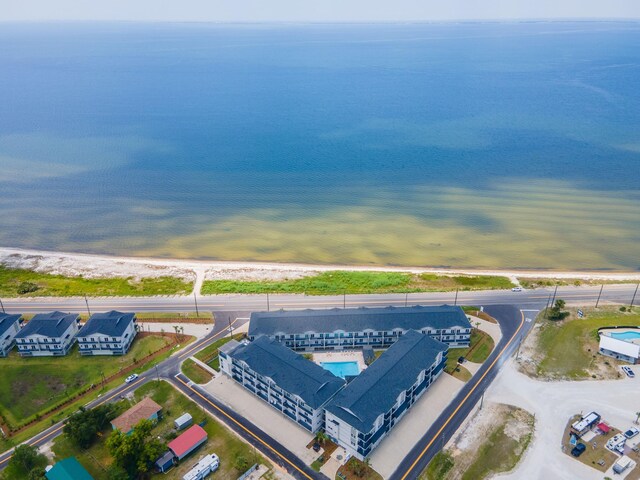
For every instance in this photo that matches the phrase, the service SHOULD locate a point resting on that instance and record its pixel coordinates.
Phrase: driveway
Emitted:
(553, 403)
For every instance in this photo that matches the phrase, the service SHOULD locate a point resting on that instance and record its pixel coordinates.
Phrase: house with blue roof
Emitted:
(67, 469)
(361, 414)
(355, 328)
(48, 334)
(9, 328)
(288, 382)
(109, 333)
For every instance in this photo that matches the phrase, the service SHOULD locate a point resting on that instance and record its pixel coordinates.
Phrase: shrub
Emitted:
(27, 287)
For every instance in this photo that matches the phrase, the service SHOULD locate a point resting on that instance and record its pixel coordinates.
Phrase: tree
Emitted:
(321, 437)
(25, 459)
(27, 287)
(637, 417)
(135, 452)
(556, 312)
(241, 464)
(83, 427)
(115, 472)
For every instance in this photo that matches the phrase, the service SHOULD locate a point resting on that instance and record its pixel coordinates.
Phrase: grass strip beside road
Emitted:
(210, 352)
(347, 282)
(48, 285)
(195, 372)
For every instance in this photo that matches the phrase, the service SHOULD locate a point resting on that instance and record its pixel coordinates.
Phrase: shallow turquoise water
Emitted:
(468, 145)
(342, 369)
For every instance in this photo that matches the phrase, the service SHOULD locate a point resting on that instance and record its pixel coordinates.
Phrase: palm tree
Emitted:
(637, 417)
(321, 438)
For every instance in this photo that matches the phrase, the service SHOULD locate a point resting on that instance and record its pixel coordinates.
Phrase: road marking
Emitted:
(244, 428)
(35, 440)
(197, 346)
(464, 400)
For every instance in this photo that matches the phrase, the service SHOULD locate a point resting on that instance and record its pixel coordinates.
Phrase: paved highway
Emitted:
(621, 293)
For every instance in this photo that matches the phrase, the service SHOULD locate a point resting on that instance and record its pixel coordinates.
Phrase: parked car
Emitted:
(131, 378)
(516, 289)
(632, 432)
(578, 450)
(628, 371)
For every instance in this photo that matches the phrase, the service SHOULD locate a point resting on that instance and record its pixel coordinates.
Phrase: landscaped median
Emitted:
(40, 391)
(356, 282)
(209, 354)
(493, 444)
(15, 282)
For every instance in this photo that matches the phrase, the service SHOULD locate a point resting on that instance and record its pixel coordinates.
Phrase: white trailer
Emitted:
(205, 466)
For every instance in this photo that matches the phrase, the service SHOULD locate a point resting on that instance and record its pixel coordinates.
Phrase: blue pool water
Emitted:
(342, 369)
(626, 335)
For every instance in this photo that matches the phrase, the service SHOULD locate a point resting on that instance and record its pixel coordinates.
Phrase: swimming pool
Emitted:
(342, 369)
(626, 335)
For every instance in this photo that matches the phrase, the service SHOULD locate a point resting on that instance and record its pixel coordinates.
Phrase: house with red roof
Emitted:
(186, 443)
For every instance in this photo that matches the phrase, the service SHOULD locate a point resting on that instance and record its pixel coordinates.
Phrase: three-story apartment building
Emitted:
(9, 328)
(360, 415)
(48, 334)
(288, 382)
(354, 328)
(109, 333)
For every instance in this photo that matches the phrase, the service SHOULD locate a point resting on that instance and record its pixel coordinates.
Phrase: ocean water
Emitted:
(464, 145)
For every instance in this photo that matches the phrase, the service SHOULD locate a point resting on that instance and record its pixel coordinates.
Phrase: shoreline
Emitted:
(95, 265)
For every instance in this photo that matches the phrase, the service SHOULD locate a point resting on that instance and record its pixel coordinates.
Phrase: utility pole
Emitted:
(406, 298)
(481, 400)
(1, 305)
(546, 310)
(344, 300)
(598, 300)
(87, 302)
(195, 300)
(553, 300)
(102, 375)
(267, 301)
(157, 375)
(630, 305)
(230, 327)
(455, 302)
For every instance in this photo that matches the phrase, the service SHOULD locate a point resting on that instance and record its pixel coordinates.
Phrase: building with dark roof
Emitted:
(109, 333)
(350, 328)
(48, 334)
(361, 415)
(287, 381)
(9, 328)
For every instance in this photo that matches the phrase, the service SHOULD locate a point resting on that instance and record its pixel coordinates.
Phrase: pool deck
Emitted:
(346, 356)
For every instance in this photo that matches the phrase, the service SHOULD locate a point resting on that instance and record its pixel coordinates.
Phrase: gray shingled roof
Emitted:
(52, 324)
(290, 371)
(111, 324)
(7, 320)
(356, 320)
(376, 389)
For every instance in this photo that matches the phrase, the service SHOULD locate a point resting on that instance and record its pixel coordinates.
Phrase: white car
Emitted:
(628, 371)
(131, 378)
(516, 289)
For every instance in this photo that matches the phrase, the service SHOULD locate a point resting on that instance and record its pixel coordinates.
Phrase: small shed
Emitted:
(183, 421)
(165, 462)
(186, 443)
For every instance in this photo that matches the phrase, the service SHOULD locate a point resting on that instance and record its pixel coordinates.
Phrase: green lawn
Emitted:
(481, 347)
(210, 352)
(195, 372)
(61, 286)
(551, 282)
(569, 348)
(498, 451)
(339, 282)
(29, 386)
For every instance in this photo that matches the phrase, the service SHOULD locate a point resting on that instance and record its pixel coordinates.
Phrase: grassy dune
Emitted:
(339, 282)
(60, 286)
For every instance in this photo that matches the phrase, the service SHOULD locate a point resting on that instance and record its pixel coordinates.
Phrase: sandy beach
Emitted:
(94, 266)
